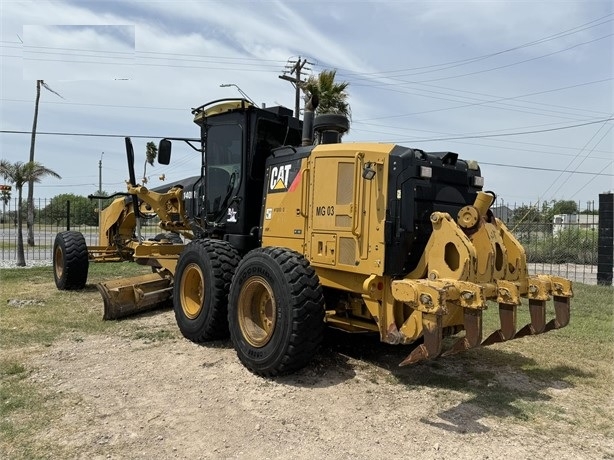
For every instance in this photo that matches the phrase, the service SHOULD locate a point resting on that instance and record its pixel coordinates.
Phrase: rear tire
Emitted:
(70, 261)
(276, 311)
(200, 292)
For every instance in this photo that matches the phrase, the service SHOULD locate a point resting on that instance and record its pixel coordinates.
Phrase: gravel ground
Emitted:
(12, 263)
(172, 399)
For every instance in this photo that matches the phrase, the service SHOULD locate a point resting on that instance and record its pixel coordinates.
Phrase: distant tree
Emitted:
(526, 214)
(527, 220)
(82, 210)
(562, 207)
(333, 97)
(5, 197)
(19, 174)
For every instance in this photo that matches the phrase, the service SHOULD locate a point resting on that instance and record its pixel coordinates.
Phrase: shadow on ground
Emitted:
(490, 381)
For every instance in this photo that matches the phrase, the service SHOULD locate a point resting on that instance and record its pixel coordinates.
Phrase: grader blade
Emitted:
(128, 296)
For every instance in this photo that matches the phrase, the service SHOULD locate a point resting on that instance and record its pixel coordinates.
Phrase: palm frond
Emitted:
(151, 152)
(332, 95)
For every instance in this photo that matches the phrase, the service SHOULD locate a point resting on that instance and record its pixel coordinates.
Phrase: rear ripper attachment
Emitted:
(465, 264)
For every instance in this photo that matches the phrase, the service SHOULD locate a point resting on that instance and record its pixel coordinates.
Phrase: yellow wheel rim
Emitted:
(58, 262)
(192, 290)
(257, 311)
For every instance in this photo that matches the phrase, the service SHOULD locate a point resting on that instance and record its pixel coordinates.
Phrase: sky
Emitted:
(524, 88)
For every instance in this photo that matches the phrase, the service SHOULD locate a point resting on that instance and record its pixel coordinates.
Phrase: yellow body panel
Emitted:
(331, 214)
(323, 207)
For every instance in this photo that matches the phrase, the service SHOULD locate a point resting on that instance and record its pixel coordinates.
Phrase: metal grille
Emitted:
(345, 183)
(347, 251)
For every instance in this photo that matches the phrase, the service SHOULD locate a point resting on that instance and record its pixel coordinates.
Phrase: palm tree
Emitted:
(332, 96)
(23, 173)
(5, 197)
(151, 152)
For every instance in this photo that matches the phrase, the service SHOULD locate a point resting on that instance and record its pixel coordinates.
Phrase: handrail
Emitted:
(304, 191)
(356, 195)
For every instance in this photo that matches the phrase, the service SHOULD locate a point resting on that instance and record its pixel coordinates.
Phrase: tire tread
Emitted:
(307, 312)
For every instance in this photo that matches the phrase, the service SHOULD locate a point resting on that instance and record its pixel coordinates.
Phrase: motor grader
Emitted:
(292, 230)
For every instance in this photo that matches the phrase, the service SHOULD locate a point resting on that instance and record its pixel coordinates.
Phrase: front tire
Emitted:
(200, 292)
(276, 311)
(70, 261)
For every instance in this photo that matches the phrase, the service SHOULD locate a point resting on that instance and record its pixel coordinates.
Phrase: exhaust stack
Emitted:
(330, 128)
(310, 108)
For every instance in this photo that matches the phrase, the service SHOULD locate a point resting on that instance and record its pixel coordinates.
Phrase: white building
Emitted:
(562, 222)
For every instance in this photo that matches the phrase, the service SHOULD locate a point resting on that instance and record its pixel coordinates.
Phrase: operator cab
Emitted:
(236, 139)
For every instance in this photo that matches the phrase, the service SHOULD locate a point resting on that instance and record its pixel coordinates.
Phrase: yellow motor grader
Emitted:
(120, 240)
(291, 233)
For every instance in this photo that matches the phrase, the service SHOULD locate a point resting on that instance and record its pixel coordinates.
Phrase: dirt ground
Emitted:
(139, 397)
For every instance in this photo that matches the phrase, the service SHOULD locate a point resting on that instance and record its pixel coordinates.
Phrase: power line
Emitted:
(261, 70)
(513, 134)
(183, 109)
(364, 120)
(609, 165)
(142, 64)
(50, 133)
(502, 147)
(411, 140)
(173, 56)
(535, 168)
(577, 155)
(485, 56)
(371, 85)
(497, 100)
(26, 48)
(484, 163)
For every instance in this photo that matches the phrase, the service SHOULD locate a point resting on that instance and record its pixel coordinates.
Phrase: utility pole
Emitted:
(30, 217)
(100, 189)
(296, 81)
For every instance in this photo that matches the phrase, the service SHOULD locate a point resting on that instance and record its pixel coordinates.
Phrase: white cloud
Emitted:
(185, 50)
(84, 52)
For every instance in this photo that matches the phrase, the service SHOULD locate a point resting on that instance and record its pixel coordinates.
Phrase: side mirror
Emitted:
(164, 152)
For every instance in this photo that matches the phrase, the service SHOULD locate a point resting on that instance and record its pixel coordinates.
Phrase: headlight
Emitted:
(426, 172)
(478, 181)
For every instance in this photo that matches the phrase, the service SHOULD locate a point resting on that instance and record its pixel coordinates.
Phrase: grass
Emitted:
(26, 407)
(562, 378)
(518, 378)
(8, 246)
(18, 397)
(59, 312)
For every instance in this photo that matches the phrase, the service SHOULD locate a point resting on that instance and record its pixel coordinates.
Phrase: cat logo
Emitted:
(280, 176)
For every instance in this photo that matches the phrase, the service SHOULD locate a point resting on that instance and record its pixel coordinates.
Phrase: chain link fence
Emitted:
(52, 216)
(561, 245)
